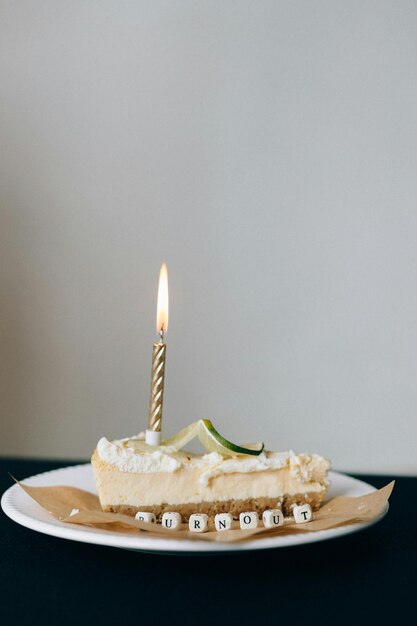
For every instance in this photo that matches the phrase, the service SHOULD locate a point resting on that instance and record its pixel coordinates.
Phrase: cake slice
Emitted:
(132, 477)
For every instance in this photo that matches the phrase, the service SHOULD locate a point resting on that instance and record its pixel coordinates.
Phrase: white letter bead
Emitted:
(198, 523)
(223, 521)
(302, 513)
(143, 516)
(272, 518)
(171, 520)
(248, 520)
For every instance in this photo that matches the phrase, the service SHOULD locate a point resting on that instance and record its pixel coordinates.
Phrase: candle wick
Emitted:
(161, 334)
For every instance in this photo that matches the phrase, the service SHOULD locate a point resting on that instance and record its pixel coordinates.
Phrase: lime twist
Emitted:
(211, 439)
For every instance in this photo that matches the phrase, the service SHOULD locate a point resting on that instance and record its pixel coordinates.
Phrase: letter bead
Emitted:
(144, 516)
(171, 520)
(302, 513)
(223, 521)
(272, 518)
(248, 520)
(198, 523)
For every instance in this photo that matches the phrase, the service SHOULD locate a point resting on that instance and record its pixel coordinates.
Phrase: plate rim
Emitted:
(143, 543)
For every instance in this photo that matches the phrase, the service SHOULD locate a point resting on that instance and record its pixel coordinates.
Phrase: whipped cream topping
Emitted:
(217, 464)
(304, 467)
(127, 460)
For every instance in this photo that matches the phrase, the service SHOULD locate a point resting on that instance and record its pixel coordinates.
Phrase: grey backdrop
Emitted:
(268, 152)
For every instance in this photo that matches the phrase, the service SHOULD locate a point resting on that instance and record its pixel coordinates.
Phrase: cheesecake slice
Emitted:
(158, 479)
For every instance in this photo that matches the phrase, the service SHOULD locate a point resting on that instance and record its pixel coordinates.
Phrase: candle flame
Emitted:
(162, 308)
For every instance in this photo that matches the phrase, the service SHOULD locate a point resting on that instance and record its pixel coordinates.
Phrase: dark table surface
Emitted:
(368, 577)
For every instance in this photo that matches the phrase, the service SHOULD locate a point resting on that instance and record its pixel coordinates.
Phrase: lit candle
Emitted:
(153, 433)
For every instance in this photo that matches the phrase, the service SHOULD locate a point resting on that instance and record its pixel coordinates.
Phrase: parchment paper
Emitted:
(76, 506)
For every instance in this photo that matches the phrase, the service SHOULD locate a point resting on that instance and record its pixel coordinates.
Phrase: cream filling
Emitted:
(184, 486)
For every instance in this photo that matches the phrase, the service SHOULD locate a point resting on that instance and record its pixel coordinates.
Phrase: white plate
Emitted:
(22, 509)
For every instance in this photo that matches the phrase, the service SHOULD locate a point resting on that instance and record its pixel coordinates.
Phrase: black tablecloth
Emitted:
(368, 577)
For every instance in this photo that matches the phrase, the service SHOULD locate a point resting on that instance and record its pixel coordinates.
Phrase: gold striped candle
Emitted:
(157, 386)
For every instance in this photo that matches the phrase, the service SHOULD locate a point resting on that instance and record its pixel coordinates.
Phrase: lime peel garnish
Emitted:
(211, 439)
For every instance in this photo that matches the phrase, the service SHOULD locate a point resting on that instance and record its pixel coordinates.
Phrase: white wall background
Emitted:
(267, 150)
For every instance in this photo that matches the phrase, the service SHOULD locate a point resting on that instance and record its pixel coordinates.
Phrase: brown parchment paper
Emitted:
(76, 506)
